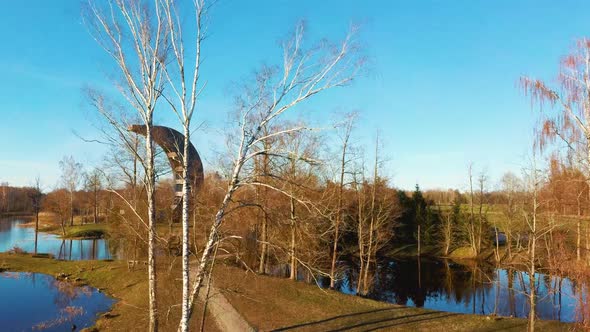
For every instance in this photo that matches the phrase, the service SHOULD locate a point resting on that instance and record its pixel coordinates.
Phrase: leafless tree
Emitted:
(93, 182)
(511, 186)
(447, 228)
(36, 196)
(471, 231)
(71, 174)
(181, 70)
(135, 35)
(533, 184)
(345, 136)
(304, 73)
(298, 175)
(381, 212)
(567, 119)
(57, 202)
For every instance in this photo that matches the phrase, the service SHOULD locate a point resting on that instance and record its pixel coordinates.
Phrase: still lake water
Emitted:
(445, 285)
(12, 235)
(33, 301)
(479, 289)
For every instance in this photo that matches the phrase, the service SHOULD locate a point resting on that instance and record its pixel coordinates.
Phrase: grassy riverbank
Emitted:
(267, 303)
(86, 231)
(49, 224)
(129, 287)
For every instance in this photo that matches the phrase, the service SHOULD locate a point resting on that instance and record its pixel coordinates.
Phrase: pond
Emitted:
(479, 289)
(34, 301)
(12, 235)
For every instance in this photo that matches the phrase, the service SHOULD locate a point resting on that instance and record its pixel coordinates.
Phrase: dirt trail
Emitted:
(226, 316)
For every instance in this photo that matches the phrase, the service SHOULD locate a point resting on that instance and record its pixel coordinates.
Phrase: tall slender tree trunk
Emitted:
(372, 238)
(339, 203)
(472, 238)
(186, 189)
(419, 244)
(264, 230)
(36, 229)
(71, 208)
(338, 219)
(150, 187)
(531, 325)
(579, 231)
(497, 251)
(508, 244)
(95, 205)
(360, 236)
(334, 253)
(293, 272)
(532, 253)
(369, 256)
(264, 244)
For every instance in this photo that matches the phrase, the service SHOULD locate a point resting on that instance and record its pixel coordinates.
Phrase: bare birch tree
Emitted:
(182, 74)
(304, 73)
(135, 35)
(533, 184)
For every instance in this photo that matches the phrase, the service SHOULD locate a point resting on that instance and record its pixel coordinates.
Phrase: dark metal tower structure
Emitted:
(172, 142)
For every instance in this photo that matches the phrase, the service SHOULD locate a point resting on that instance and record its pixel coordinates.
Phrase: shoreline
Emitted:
(267, 303)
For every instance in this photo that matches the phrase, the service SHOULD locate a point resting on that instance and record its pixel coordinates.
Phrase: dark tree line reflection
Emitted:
(477, 288)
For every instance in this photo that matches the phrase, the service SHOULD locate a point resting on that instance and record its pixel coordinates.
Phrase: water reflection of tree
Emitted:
(417, 280)
(473, 288)
(66, 292)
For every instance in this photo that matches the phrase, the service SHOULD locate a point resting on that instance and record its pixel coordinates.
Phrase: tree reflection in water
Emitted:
(468, 288)
(33, 301)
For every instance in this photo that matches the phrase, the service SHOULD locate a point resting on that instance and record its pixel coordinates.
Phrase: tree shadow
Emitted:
(368, 320)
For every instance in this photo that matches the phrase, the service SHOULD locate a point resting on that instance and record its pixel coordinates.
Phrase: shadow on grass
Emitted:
(368, 320)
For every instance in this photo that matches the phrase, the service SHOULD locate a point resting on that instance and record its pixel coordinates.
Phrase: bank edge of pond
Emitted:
(270, 303)
(128, 287)
(98, 274)
(77, 232)
(267, 303)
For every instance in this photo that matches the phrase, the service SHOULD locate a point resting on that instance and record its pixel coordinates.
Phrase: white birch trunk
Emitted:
(150, 188)
(184, 322)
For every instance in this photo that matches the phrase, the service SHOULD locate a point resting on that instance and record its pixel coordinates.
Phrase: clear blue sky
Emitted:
(442, 89)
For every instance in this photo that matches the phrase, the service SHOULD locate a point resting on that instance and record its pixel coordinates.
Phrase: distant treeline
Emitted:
(15, 199)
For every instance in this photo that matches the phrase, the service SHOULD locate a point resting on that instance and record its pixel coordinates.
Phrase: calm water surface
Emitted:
(444, 285)
(480, 289)
(33, 301)
(12, 235)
